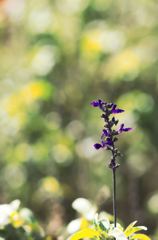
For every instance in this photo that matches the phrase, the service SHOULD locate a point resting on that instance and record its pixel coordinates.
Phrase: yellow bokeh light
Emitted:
(51, 185)
(92, 43)
(17, 104)
(123, 63)
(32, 91)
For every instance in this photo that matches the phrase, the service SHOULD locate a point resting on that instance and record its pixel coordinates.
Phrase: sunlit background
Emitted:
(56, 56)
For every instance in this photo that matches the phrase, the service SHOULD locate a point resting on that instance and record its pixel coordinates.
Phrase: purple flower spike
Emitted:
(97, 146)
(110, 131)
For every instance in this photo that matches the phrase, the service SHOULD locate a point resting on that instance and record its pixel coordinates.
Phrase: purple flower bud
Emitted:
(109, 142)
(97, 146)
(95, 103)
(114, 132)
(114, 121)
(105, 133)
(99, 103)
(109, 105)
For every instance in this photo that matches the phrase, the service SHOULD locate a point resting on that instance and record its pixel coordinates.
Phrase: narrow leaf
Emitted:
(130, 226)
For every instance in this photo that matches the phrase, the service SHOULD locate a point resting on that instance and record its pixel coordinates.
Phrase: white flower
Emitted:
(84, 207)
(102, 217)
(6, 210)
(74, 226)
(118, 234)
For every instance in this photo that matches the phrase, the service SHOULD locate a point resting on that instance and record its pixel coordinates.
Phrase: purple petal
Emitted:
(105, 133)
(123, 129)
(118, 110)
(114, 106)
(127, 129)
(101, 104)
(103, 143)
(97, 146)
(109, 142)
(98, 103)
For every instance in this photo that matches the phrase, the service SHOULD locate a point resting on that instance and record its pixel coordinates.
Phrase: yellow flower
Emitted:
(33, 91)
(16, 220)
(85, 233)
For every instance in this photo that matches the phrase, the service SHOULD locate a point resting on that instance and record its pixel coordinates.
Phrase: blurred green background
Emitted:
(56, 57)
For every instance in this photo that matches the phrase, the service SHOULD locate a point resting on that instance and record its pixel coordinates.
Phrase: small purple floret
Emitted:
(115, 110)
(95, 103)
(99, 103)
(105, 133)
(97, 146)
(124, 129)
(109, 141)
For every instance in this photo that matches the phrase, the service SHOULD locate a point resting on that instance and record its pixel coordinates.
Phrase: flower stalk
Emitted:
(114, 196)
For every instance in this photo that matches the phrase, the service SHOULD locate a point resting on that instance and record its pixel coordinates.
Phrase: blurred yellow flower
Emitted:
(92, 43)
(33, 91)
(51, 184)
(18, 103)
(123, 63)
